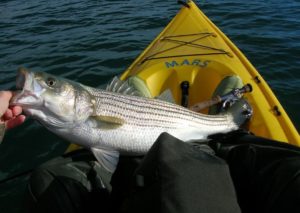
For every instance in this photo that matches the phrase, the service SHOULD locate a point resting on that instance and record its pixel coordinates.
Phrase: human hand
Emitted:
(11, 116)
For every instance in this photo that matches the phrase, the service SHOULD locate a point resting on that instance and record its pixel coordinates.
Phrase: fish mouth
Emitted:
(25, 94)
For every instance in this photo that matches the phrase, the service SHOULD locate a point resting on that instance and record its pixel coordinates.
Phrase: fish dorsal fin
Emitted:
(107, 158)
(123, 87)
(166, 96)
(108, 122)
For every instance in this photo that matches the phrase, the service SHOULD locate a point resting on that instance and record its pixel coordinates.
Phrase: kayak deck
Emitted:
(191, 48)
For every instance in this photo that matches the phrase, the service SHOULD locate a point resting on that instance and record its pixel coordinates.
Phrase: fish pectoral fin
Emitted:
(108, 122)
(107, 158)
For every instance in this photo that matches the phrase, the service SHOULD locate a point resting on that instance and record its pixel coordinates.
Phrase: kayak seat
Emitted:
(225, 86)
(138, 84)
(143, 90)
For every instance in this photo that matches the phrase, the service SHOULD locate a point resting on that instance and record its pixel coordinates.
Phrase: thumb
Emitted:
(5, 97)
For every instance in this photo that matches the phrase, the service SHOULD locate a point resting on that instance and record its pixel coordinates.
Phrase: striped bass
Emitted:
(110, 123)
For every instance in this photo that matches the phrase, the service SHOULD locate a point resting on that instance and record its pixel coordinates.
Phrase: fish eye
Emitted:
(51, 82)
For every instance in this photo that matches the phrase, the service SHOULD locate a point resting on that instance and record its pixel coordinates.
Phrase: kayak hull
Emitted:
(191, 48)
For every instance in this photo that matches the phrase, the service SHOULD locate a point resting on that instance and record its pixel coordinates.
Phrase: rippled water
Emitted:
(91, 41)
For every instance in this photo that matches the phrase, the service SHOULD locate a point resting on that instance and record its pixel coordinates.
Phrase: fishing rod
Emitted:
(227, 100)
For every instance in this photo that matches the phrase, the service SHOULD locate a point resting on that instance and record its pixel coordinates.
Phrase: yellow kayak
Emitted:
(191, 48)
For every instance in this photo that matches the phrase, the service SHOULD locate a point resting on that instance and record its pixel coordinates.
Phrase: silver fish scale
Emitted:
(140, 111)
(128, 139)
(145, 119)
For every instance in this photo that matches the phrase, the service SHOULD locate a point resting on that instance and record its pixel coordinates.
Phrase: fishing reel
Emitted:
(229, 99)
(236, 94)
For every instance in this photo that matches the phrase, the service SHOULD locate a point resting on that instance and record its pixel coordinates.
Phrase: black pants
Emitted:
(245, 174)
(265, 173)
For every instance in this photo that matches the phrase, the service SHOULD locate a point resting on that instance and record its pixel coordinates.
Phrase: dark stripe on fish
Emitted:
(123, 107)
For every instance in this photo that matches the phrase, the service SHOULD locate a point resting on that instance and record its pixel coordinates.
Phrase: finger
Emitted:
(15, 122)
(16, 110)
(5, 96)
(7, 115)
